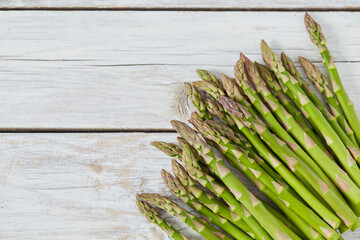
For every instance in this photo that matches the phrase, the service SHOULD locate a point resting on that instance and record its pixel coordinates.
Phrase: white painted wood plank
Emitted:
(124, 70)
(222, 4)
(81, 186)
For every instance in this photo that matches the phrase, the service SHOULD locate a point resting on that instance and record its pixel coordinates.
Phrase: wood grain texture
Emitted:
(79, 186)
(124, 70)
(82, 186)
(205, 4)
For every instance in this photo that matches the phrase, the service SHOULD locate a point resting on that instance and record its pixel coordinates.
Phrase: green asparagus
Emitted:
(317, 37)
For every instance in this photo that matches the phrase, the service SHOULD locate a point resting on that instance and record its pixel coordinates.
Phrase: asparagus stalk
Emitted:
(305, 228)
(173, 150)
(295, 163)
(209, 200)
(205, 168)
(255, 100)
(207, 181)
(237, 157)
(320, 81)
(251, 152)
(331, 118)
(271, 224)
(240, 141)
(203, 228)
(236, 140)
(275, 88)
(333, 140)
(196, 99)
(280, 93)
(153, 216)
(176, 188)
(295, 183)
(275, 126)
(317, 37)
(330, 167)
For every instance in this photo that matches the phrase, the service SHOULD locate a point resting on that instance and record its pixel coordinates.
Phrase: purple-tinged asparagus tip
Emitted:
(227, 102)
(244, 58)
(184, 130)
(231, 106)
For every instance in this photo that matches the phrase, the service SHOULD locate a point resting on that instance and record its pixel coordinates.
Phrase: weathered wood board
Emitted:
(81, 186)
(124, 70)
(187, 4)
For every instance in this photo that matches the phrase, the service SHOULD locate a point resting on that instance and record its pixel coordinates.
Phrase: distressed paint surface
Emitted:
(123, 70)
(109, 69)
(82, 186)
(79, 186)
(222, 4)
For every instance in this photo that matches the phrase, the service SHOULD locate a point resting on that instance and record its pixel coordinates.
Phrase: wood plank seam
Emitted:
(190, 9)
(84, 130)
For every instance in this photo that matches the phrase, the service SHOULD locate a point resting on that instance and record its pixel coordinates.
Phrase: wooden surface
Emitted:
(107, 70)
(79, 186)
(82, 185)
(186, 4)
(122, 72)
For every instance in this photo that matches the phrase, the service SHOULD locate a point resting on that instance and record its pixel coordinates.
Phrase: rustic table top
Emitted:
(87, 85)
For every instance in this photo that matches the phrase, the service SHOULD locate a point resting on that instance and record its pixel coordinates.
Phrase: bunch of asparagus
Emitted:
(270, 125)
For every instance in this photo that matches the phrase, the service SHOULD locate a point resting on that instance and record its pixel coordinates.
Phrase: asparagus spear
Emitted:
(310, 233)
(176, 188)
(196, 99)
(330, 167)
(316, 36)
(320, 81)
(207, 181)
(203, 228)
(170, 149)
(153, 216)
(255, 100)
(295, 163)
(271, 224)
(333, 140)
(205, 168)
(209, 77)
(275, 126)
(173, 150)
(275, 88)
(210, 201)
(280, 93)
(236, 140)
(249, 168)
(232, 90)
(266, 154)
(331, 118)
